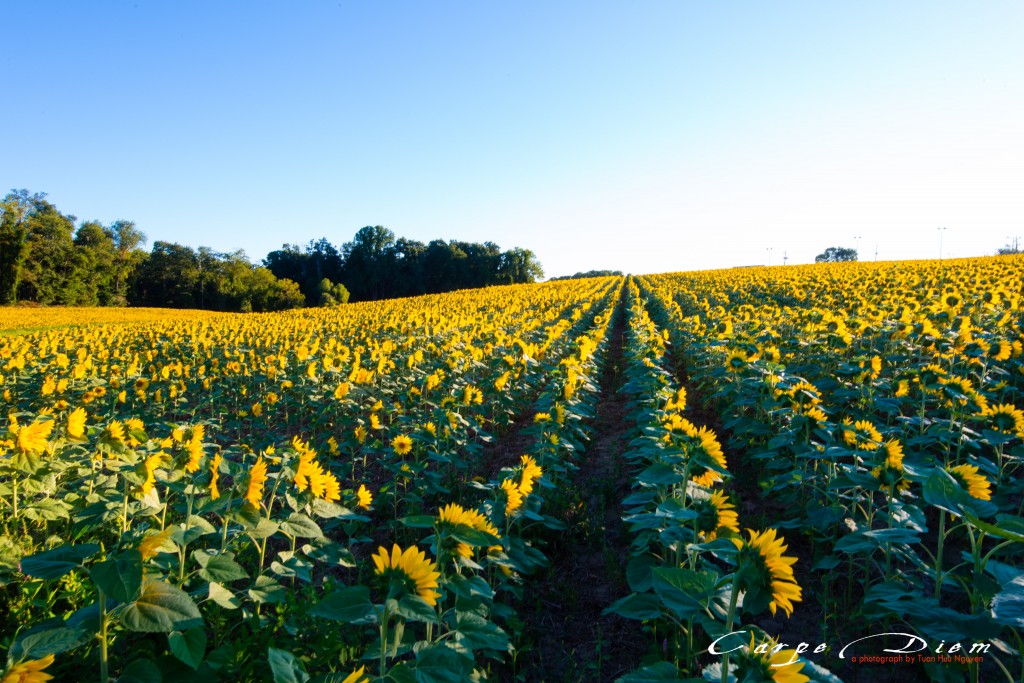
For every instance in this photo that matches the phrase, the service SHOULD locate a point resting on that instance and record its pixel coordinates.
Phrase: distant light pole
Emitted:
(769, 256)
(856, 246)
(941, 230)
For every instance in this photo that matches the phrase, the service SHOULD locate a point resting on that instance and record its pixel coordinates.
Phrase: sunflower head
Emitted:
(401, 444)
(716, 516)
(768, 661)
(407, 572)
(972, 481)
(765, 573)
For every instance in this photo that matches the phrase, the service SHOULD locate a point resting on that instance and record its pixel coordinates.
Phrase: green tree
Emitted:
(54, 272)
(368, 262)
(96, 251)
(519, 266)
(332, 294)
(13, 241)
(836, 254)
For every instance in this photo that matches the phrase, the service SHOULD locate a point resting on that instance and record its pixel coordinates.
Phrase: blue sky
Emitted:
(641, 136)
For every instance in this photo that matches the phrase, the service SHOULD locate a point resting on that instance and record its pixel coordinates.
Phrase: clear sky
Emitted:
(630, 135)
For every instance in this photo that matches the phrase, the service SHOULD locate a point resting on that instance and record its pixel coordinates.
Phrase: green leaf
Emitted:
(683, 591)
(119, 578)
(660, 672)
(268, 590)
(660, 474)
(440, 664)
(638, 572)
(639, 606)
(1008, 605)
(141, 671)
(161, 608)
(1008, 527)
(55, 563)
(222, 570)
(265, 529)
(188, 646)
(223, 597)
(49, 642)
(474, 537)
(415, 608)
(286, 668)
(942, 491)
(329, 552)
(481, 633)
(419, 521)
(301, 526)
(350, 605)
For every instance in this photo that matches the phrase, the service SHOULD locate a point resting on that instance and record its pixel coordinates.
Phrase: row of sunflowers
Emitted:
(876, 411)
(697, 583)
(295, 496)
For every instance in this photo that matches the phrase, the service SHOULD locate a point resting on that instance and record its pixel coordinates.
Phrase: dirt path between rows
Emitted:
(567, 638)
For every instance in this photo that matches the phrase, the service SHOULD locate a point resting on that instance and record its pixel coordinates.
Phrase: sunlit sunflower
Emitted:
(861, 435)
(29, 672)
(708, 444)
(513, 496)
(736, 361)
(1006, 418)
(357, 676)
(364, 496)
(972, 481)
(76, 423)
(257, 478)
(410, 570)
(214, 474)
(401, 444)
(32, 438)
(453, 514)
(762, 567)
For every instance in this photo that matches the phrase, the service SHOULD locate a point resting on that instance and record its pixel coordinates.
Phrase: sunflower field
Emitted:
(819, 457)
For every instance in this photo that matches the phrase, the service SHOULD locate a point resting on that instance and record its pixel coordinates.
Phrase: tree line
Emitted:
(46, 259)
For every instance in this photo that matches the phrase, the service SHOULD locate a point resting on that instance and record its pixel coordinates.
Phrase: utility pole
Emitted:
(876, 252)
(941, 230)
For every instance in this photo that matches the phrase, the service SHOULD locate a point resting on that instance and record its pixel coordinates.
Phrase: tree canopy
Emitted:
(835, 254)
(46, 259)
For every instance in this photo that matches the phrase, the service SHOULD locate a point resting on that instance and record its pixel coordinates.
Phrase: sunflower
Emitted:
(767, 662)
(975, 484)
(76, 423)
(453, 514)
(29, 672)
(513, 496)
(861, 435)
(195, 448)
(364, 496)
(409, 570)
(736, 361)
(1007, 418)
(257, 478)
(708, 443)
(32, 438)
(531, 471)
(357, 676)
(401, 444)
(762, 568)
(716, 515)
(214, 474)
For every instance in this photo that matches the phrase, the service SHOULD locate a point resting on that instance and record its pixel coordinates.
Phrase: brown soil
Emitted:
(566, 636)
